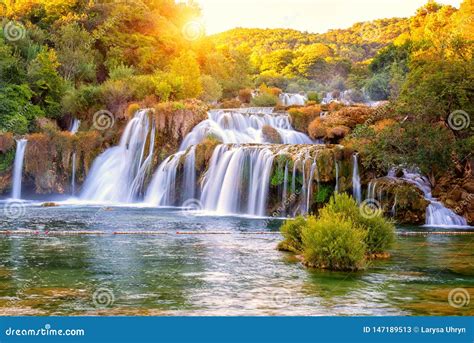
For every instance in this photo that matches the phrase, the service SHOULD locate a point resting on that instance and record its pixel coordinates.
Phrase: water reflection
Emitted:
(231, 274)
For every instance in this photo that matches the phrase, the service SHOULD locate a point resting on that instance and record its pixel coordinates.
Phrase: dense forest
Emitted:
(67, 59)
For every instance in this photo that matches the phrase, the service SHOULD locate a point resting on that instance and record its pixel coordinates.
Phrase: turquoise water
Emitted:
(222, 268)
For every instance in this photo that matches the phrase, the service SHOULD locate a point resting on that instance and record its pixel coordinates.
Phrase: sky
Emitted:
(305, 15)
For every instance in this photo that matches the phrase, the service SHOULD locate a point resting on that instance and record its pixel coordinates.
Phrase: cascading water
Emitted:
(118, 174)
(437, 215)
(289, 99)
(73, 130)
(356, 188)
(244, 126)
(237, 173)
(236, 126)
(18, 168)
(75, 124)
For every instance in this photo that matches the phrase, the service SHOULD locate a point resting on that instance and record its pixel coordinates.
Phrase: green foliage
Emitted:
(340, 238)
(314, 96)
(377, 87)
(73, 45)
(212, 90)
(380, 231)
(323, 193)
(333, 242)
(380, 234)
(278, 177)
(16, 110)
(291, 231)
(47, 85)
(6, 160)
(264, 100)
(186, 68)
(435, 89)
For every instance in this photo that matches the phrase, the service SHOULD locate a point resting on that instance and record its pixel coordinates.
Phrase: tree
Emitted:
(74, 47)
(212, 90)
(186, 67)
(16, 111)
(47, 85)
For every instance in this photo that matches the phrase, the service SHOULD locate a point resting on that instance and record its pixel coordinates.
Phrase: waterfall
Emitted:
(73, 177)
(162, 189)
(356, 188)
(314, 166)
(75, 124)
(118, 174)
(237, 173)
(285, 189)
(244, 126)
(73, 130)
(189, 179)
(232, 126)
(18, 168)
(437, 215)
(336, 162)
(288, 99)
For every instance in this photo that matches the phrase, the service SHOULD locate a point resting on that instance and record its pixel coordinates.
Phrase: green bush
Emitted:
(380, 231)
(334, 242)
(264, 100)
(340, 238)
(314, 96)
(323, 193)
(291, 231)
(380, 234)
(6, 160)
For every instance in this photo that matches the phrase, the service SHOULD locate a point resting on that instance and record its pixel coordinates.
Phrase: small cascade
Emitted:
(437, 215)
(314, 166)
(118, 174)
(336, 163)
(371, 189)
(75, 124)
(356, 188)
(18, 168)
(244, 126)
(235, 126)
(289, 99)
(189, 178)
(285, 189)
(73, 177)
(73, 130)
(236, 174)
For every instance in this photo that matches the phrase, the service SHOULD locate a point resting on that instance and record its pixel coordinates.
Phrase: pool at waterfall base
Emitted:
(135, 260)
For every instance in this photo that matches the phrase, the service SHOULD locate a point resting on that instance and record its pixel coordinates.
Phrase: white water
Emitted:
(356, 188)
(289, 99)
(235, 174)
(18, 168)
(118, 174)
(241, 126)
(75, 124)
(437, 215)
(73, 129)
(235, 126)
